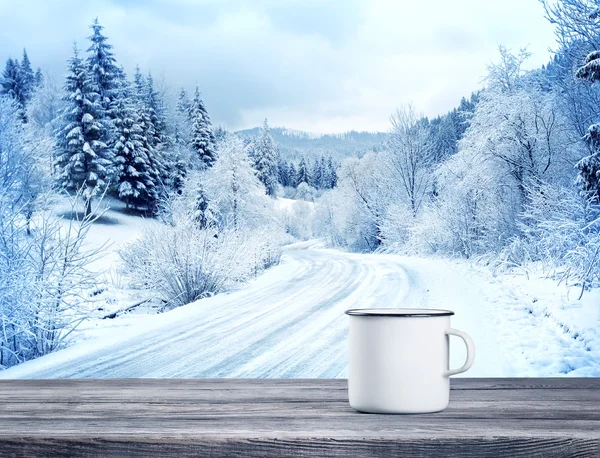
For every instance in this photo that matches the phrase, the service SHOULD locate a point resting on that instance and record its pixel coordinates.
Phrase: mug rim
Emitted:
(399, 312)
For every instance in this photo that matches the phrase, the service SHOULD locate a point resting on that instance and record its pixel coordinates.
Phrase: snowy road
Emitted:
(290, 322)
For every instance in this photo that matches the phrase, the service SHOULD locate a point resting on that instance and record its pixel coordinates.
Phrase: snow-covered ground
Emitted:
(290, 322)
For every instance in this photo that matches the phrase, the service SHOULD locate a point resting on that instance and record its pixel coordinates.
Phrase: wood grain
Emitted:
(292, 417)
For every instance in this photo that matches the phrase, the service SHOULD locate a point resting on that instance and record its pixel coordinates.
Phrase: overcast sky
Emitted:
(315, 65)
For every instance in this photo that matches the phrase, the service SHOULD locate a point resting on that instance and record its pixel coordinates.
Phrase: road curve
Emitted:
(290, 322)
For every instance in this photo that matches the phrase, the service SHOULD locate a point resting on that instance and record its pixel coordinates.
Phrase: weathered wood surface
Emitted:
(264, 418)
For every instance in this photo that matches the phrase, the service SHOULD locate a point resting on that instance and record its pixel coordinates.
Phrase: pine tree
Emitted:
(204, 214)
(103, 67)
(11, 84)
(27, 79)
(589, 167)
(292, 176)
(332, 174)
(144, 117)
(220, 133)
(283, 172)
(82, 158)
(39, 77)
(265, 159)
(324, 170)
(156, 112)
(135, 184)
(317, 174)
(183, 103)
(202, 140)
(139, 84)
(303, 175)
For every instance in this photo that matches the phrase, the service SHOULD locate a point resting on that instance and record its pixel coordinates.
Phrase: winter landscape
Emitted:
(140, 236)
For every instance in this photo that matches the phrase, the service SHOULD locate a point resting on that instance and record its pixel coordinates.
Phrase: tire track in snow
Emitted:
(279, 326)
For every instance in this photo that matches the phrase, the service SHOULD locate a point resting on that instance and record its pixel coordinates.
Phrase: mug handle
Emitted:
(470, 351)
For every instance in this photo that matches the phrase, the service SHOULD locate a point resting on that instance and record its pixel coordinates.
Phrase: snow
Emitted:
(290, 322)
(289, 205)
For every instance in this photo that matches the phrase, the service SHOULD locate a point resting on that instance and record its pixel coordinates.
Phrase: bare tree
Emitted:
(575, 20)
(410, 156)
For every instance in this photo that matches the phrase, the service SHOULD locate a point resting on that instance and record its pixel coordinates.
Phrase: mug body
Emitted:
(398, 360)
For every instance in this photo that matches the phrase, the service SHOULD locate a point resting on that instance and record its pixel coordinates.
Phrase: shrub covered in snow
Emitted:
(185, 262)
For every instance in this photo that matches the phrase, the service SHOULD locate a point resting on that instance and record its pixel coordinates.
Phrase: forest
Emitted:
(509, 179)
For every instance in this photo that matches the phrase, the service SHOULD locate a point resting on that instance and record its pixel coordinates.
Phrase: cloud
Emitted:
(313, 64)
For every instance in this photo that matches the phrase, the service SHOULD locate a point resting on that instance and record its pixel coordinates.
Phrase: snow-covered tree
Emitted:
(40, 259)
(409, 156)
(303, 173)
(317, 174)
(184, 104)
(135, 182)
(232, 186)
(145, 107)
(283, 172)
(20, 177)
(292, 176)
(202, 141)
(39, 77)
(182, 119)
(82, 158)
(352, 214)
(589, 166)
(27, 78)
(154, 105)
(11, 84)
(44, 108)
(332, 173)
(103, 68)
(265, 159)
(204, 213)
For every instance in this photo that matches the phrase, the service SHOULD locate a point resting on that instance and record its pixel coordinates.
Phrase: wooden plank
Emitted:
(303, 447)
(236, 417)
(335, 384)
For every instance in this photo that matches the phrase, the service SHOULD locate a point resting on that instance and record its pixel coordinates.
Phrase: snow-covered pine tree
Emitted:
(220, 133)
(38, 78)
(184, 104)
(139, 84)
(106, 75)
(82, 159)
(135, 183)
(144, 117)
(325, 178)
(317, 174)
(156, 111)
(292, 176)
(283, 172)
(182, 121)
(303, 174)
(204, 212)
(588, 177)
(202, 141)
(11, 84)
(265, 159)
(103, 67)
(333, 178)
(27, 78)
(170, 152)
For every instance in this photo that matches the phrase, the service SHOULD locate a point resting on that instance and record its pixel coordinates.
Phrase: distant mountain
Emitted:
(294, 143)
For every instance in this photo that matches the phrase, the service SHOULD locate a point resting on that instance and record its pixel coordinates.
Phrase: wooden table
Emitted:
(264, 418)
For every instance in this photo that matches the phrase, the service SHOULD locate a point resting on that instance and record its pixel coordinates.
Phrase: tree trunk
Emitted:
(88, 207)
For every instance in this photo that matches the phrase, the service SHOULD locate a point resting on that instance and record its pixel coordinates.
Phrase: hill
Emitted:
(294, 143)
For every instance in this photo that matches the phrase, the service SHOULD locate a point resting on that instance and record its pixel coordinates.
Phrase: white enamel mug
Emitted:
(398, 360)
